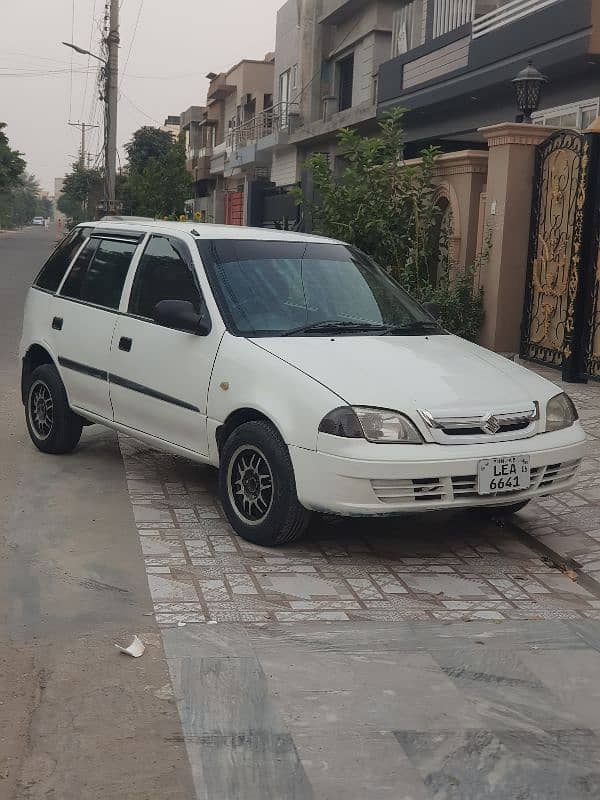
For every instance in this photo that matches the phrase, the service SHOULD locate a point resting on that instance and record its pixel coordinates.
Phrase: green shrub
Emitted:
(387, 208)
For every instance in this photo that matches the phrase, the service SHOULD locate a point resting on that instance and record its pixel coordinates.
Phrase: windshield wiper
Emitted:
(416, 328)
(334, 326)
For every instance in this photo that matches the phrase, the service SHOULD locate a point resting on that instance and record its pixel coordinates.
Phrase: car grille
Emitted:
(476, 430)
(472, 429)
(458, 488)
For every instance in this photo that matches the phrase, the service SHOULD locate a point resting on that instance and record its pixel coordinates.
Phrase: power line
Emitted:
(34, 56)
(137, 108)
(89, 59)
(137, 22)
(45, 74)
(199, 74)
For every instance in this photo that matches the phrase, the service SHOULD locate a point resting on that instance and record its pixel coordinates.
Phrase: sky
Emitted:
(163, 64)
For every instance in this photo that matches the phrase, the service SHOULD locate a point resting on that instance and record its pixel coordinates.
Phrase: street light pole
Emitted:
(112, 98)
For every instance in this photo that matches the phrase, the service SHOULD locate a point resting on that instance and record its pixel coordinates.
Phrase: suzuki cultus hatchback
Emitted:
(292, 363)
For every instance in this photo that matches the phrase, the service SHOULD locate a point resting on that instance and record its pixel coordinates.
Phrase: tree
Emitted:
(12, 166)
(20, 204)
(82, 191)
(147, 143)
(379, 203)
(387, 208)
(45, 208)
(155, 185)
(12, 171)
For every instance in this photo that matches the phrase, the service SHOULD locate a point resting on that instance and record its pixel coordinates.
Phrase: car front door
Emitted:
(84, 318)
(159, 377)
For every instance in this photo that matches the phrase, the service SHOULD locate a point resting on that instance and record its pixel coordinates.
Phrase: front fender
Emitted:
(246, 376)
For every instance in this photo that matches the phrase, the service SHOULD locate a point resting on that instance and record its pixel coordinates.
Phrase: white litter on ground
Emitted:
(135, 649)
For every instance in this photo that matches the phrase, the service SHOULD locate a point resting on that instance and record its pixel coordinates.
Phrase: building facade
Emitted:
(326, 63)
(236, 101)
(453, 62)
(172, 125)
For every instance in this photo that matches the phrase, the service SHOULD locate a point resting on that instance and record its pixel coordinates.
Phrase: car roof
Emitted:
(202, 230)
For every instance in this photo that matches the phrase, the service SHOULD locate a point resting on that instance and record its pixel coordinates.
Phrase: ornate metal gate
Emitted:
(594, 333)
(561, 323)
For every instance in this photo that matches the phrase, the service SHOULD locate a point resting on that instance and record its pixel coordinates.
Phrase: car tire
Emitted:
(52, 426)
(258, 487)
(506, 511)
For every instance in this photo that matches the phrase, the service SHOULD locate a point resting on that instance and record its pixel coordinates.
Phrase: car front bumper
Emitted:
(364, 479)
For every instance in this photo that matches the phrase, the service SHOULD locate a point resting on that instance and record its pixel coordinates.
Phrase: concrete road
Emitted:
(77, 719)
(429, 658)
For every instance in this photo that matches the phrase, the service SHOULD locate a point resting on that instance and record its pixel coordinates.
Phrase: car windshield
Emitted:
(267, 288)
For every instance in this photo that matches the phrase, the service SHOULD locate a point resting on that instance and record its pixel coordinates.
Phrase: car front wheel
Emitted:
(258, 488)
(52, 426)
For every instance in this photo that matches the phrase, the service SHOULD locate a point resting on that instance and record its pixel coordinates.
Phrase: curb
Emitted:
(561, 563)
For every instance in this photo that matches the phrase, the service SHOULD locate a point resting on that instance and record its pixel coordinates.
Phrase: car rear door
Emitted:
(159, 377)
(85, 315)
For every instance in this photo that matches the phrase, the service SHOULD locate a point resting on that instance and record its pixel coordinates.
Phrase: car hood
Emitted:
(434, 373)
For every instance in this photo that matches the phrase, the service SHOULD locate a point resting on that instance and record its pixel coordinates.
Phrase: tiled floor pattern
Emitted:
(569, 523)
(455, 567)
(390, 711)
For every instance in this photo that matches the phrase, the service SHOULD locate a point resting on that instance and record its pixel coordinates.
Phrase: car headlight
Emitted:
(374, 424)
(560, 413)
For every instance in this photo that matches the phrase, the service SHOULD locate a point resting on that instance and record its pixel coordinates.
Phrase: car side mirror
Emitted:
(181, 316)
(434, 309)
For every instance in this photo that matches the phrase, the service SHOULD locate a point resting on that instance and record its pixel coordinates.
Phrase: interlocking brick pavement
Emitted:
(425, 567)
(569, 523)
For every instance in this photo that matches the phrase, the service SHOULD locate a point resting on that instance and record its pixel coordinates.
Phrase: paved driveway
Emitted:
(457, 566)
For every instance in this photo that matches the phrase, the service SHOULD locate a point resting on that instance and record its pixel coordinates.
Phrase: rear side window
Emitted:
(98, 275)
(162, 275)
(55, 268)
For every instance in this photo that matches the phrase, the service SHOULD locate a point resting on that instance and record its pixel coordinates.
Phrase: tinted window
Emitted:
(98, 275)
(271, 288)
(55, 268)
(72, 286)
(162, 275)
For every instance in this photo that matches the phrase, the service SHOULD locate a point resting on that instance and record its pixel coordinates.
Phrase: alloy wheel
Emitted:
(250, 484)
(41, 409)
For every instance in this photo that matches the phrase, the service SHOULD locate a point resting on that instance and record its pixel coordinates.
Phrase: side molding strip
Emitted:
(84, 369)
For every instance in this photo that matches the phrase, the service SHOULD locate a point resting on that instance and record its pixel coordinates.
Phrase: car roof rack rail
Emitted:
(122, 218)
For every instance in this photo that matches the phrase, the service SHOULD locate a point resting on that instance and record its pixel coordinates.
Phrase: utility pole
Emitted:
(112, 98)
(84, 126)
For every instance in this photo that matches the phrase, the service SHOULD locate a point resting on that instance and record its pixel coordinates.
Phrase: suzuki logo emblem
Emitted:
(490, 424)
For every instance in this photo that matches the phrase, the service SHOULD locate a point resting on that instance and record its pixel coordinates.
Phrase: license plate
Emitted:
(501, 475)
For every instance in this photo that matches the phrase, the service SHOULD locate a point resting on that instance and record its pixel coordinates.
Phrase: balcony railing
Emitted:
(276, 119)
(451, 14)
(489, 15)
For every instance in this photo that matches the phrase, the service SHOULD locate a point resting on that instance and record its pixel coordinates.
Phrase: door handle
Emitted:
(57, 323)
(125, 344)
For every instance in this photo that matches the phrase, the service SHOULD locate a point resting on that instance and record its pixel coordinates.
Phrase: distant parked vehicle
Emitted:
(295, 365)
(39, 221)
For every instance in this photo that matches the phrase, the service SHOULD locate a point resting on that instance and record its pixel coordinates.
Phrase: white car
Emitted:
(292, 363)
(38, 221)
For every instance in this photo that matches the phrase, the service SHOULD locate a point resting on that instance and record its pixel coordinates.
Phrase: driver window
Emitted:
(162, 275)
